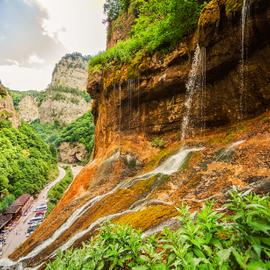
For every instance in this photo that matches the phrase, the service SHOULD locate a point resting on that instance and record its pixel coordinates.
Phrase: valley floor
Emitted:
(18, 234)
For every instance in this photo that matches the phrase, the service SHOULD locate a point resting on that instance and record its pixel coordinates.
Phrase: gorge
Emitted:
(176, 126)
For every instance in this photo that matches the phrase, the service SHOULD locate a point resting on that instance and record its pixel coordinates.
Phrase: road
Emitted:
(18, 235)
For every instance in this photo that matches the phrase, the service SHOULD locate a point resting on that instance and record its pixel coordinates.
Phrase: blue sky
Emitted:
(35, 34)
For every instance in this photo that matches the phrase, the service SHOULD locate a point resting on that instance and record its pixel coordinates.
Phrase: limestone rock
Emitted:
(72, 152)
(62, 107)
(7, 111)
(28, 109)
(71, 72)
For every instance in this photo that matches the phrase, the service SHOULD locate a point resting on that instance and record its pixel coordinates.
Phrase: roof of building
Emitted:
(4, 219)
(17, 205)
(22, 200)
(13, 209)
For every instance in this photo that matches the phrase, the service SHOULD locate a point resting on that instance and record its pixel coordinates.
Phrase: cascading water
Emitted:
(129, 89)
(196, 83)
(120, 115)
(168, 167)
(203, 92)
(244, 50)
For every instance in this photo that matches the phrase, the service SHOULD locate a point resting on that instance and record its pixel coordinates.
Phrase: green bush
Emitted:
(236, 238)
(158, 142)
(57, 191)
(113, 8)
(81, 130)
(26, 163)
(160, 25)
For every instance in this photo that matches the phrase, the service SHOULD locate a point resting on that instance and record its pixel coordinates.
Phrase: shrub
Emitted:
(158, 142)
(26, 163)
(113, 8)
(160, 25)
(237, 238)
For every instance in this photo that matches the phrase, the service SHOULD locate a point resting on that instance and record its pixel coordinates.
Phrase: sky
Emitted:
(35, 34)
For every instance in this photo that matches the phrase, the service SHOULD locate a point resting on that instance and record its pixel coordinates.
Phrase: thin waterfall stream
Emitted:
(244, 49)
(195, 85)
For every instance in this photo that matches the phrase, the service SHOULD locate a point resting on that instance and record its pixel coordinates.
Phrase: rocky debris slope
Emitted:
(72, 152)
(134, 103)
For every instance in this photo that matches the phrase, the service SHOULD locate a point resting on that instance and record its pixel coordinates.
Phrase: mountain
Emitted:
(59, 106)
(71, 71)
(65, 99)
(181, 116)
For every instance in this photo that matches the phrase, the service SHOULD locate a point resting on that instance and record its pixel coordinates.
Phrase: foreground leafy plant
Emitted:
(235, 238)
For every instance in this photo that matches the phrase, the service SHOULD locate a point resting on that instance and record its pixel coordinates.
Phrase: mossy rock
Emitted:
(210, 14)
(233, 6)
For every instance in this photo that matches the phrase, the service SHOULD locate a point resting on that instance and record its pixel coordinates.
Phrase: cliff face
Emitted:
(64, 101)
(71, 72)
(28, 109)
(62, 107)
(136, 102)
(7, 111)
(154, 90)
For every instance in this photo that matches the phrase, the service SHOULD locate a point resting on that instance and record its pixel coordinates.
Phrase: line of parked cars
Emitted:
(34, 222)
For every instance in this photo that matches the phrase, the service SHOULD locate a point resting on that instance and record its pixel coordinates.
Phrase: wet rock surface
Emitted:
(130, 112)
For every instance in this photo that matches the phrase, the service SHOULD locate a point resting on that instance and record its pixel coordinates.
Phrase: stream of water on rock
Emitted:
(244, 50)
(120, 115)
(168, 167)
(195, 86)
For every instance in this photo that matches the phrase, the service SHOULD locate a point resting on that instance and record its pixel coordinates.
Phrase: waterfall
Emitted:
(129, 89)
(120, 116)
(171, 165)
(196, 83)
(244, 48)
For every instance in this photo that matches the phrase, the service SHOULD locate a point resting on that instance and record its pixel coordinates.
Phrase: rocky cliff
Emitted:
(62, 107)
(65, 99)
(7, 111)
(71, 71)
(28, 109)
(134, 178)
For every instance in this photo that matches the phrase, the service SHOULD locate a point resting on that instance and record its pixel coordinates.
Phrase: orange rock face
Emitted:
(137, 102)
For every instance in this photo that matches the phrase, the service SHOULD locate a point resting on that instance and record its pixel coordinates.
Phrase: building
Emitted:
(19, 206)
(4, 220)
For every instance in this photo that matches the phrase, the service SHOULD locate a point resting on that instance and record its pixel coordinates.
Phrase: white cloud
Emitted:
(76, 24)
(46, 30)
(35, 59)
(12, 62)
(25, 78)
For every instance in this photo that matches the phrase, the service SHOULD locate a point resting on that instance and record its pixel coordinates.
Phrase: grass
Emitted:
(159, 26)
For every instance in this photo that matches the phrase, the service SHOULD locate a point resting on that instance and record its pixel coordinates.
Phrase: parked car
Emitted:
(35, 220)
(39, 214)
(41, 208)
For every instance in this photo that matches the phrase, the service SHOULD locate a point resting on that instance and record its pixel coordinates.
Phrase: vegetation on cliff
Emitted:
(159, 25)
(81, 130)
(234, 237)
(57, 191)
(26, 163)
